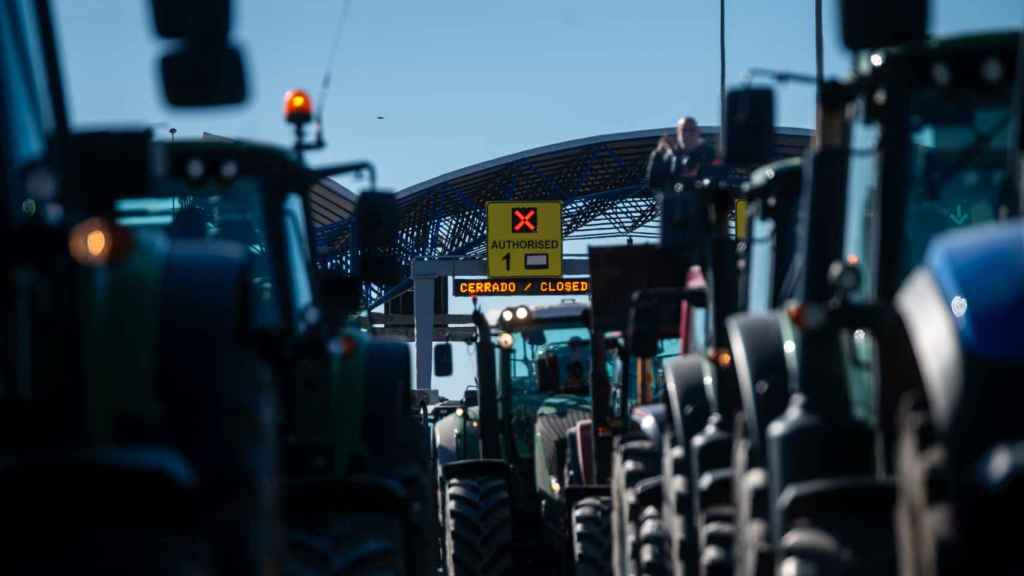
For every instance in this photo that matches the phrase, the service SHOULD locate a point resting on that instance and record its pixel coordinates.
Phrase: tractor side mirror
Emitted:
(642, 333)
(443, 359)
(205, 69)
(471, 397)
(376, 233)
(871, 24)
(339, 296)
(748, 137)
(654, 315)
(195, 76)
(181, 19)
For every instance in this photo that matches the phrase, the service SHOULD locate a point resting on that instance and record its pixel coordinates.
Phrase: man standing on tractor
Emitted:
(682, 158)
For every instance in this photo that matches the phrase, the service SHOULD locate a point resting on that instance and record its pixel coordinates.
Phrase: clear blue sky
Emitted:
(460, 81)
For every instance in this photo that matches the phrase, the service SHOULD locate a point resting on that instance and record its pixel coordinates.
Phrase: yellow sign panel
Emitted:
(742, 221)
(524, 239)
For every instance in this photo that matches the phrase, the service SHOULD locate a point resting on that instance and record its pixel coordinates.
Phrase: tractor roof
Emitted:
(562, 311)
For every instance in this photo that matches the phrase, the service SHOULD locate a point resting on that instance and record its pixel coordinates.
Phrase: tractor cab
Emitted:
(564, 367)
(544, 358)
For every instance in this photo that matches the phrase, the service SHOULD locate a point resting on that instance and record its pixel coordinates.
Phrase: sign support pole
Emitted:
(423, 307)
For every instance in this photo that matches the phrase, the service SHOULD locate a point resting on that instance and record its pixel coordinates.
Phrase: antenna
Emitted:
(325, 83)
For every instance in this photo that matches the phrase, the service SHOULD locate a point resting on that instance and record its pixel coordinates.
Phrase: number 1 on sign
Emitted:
(508, 261)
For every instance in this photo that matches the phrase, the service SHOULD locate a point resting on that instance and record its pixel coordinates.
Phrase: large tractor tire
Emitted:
(591, 537)
(653, 558)
(478, 535)
(634, 461)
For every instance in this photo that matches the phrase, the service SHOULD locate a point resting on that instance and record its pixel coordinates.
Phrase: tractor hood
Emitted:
(557, 414)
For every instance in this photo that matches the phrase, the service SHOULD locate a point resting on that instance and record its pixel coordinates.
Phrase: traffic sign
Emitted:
(467, 287)
(524, 239)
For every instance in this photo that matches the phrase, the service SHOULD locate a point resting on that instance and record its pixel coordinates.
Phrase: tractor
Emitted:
(184, 388)
(670, 473)
(502, 465)
(137, 406)
(902, 153)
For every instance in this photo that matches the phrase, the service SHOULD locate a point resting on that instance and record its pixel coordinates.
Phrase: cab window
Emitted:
(26, 112)
(761, 264)
(236, 214)
(296, 245)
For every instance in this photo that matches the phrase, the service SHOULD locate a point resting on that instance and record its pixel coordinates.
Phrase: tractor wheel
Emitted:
(591, 537)
(362, 544)
(478, 535)
(653, 554)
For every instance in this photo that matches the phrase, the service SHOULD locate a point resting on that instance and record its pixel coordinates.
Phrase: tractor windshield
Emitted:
(957, 175)
(27, 109)
(568, 343)
(235, 213)
(667, 348)
(958, 171)
(651, 370)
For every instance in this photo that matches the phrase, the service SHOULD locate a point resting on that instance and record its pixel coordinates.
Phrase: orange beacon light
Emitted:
(298, 108)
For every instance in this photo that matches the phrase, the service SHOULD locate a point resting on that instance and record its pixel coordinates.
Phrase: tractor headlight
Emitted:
(505, 340)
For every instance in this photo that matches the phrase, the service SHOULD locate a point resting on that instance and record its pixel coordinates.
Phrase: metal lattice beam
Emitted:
(599, 180)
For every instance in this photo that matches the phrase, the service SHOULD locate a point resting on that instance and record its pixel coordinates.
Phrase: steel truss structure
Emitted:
(600, 181)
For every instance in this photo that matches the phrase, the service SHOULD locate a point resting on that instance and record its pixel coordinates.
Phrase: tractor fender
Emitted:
(455, 440)
(761, 372)
(964, 331)
(218, 403)
(554, 419)
(650, 420)
(388, 400)
(684, 387)
(477, 468)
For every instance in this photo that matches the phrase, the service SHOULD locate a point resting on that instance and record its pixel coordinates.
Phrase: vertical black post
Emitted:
(626, 376)
(600, 396)
(488, 399)
(818, 45)
(721, 51)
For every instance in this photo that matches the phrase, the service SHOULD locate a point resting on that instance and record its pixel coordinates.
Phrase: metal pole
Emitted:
(721, 50)
(818, 49)
(423, 312)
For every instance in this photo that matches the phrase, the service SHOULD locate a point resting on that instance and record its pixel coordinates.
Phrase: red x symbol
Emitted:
(525, 221)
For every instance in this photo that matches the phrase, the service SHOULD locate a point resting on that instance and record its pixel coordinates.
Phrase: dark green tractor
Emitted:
(137, 406)
(502, 465)
(180, 378)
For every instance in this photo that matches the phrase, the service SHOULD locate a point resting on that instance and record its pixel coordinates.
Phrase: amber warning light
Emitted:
(521, 286)
(298, 108)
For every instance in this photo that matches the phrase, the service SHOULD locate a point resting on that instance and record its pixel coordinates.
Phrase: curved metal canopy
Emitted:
(599, 179)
